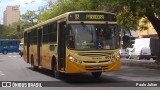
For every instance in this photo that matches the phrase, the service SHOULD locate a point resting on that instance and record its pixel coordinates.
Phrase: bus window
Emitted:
(94, 36)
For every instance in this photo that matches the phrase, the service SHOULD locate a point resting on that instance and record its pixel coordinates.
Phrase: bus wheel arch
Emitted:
(53, 61)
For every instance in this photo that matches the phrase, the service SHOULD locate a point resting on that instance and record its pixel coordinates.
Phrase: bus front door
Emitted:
(28, 45)
(39, 46)
(61, 46)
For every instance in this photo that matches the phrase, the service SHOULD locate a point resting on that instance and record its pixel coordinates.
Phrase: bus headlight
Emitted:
(70, 57)
(75, 60)
(115, 58)
(118, 56)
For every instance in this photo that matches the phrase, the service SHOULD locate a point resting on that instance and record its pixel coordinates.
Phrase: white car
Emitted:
(140, 53)
(21, 45)
(124, 53)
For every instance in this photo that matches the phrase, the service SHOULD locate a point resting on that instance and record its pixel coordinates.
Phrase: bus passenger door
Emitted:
(28, 45)
(61, 46)
(39, 46)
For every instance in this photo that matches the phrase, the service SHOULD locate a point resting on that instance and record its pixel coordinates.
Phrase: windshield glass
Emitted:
(93, 37)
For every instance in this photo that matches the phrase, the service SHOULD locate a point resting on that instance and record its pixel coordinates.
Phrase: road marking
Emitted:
(1, 73)
(12, 56)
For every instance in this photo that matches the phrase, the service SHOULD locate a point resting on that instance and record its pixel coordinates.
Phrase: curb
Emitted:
(150, 65)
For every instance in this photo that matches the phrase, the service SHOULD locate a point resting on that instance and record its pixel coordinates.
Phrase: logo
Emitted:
(109, 57)
(6, 84)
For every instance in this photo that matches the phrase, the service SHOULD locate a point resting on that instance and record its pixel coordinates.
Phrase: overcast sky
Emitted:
(24, 5)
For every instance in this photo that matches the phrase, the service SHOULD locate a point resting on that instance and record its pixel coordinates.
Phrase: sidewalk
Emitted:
(140, 63)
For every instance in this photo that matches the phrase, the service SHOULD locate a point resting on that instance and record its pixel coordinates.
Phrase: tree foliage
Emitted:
(29, 18)
(142, 8)
(9, 32)
(62, 6)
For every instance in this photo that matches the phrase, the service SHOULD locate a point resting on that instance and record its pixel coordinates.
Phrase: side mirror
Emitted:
(70, 41)
(126, 39)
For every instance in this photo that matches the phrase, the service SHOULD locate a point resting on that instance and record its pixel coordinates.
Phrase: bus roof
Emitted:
(9, 39)
(64, 16)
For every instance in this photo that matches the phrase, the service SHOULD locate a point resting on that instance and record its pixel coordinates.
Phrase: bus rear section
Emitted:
(9, 45)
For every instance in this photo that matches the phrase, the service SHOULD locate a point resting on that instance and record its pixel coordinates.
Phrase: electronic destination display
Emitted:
(91, 17)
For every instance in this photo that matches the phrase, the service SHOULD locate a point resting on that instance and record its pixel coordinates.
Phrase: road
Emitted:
(13, 68)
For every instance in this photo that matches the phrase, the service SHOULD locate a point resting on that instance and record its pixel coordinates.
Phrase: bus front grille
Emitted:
(96, 61)
(95, 54)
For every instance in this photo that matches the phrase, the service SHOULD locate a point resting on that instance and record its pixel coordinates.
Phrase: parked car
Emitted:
(140, 53)
(124, 53)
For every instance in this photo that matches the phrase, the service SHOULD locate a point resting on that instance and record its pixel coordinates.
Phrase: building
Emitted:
(11, 15)
(150, 32)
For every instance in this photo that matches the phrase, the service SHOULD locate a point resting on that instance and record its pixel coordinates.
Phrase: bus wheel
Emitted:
(96, 74)
(21, 55)
(56, 73)
(5, 52)
(33, 67)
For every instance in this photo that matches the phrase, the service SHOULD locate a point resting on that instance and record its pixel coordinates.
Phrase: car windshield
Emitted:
(93, 37)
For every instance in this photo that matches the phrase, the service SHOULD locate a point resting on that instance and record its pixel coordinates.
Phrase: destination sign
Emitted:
(91, 17)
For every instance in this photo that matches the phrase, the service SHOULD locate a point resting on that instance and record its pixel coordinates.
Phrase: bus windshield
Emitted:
(94, 36)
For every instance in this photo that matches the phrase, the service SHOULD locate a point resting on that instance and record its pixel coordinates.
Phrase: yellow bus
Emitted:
(74, 42)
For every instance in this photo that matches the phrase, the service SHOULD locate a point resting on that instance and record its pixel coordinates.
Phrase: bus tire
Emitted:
(55, 71)
(33, 67)
(96, 74)
(21, 55)
(57, 74)
(4, 52)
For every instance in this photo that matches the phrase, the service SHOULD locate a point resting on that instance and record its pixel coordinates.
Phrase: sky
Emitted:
(24, 5)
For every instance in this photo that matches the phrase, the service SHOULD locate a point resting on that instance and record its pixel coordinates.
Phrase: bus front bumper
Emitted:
(72, 67)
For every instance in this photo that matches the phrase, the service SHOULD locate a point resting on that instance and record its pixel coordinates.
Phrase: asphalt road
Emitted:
(13, 68)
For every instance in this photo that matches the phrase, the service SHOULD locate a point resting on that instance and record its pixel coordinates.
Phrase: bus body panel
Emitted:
(75, 61)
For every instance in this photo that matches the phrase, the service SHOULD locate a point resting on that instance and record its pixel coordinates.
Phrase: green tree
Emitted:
(142, 8)
(29, 18)
(8, 32)
(62, 6)
(4, 30)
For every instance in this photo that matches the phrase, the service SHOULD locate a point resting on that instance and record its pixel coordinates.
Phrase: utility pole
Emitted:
(121, 41)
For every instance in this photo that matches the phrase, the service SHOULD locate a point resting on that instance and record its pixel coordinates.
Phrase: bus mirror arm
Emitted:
(67, 28)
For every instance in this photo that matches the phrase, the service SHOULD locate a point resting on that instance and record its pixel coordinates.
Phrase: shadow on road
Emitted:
(82, 77)
(85, 80)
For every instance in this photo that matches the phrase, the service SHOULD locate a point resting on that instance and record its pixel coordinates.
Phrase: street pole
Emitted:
(121, 41)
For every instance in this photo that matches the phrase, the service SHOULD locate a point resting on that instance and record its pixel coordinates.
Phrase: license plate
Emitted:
(97, 67)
